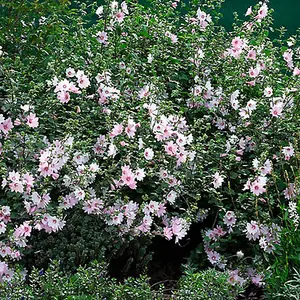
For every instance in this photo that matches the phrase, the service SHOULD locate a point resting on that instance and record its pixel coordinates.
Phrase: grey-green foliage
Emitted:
(208, 284)
(87, 283)
(290, 289)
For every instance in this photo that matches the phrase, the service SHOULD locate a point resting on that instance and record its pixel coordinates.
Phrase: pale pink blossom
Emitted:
(102, 37)
(288, 152)
(168, 233)
(229, 218)
(237, 43)
(6, 126)
(249, 11)
(251, 54)
(171, 197)
(70, 72)
(140, 174)
(254, 72)
(83, 82)
(63, 96)
(117, 130)
(276, 109)
(253, 231)
(268, 92)
(120, 16)
(296, 71)
(258, 186)
(217, 180)
(290, 192)
(262, 12)
(144, 92)
(32, 120)
(148, 154)
(63, 85)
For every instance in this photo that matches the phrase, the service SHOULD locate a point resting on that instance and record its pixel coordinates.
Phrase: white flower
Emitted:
(148, 153)
(150, 58)
(268, 92)
(171, 197)
(99, 11)
(240, 254)
(79, 194)
(140, 174)
(112, 150)
(217, 180)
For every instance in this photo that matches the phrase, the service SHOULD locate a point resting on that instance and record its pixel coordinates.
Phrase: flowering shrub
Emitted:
(151, 117)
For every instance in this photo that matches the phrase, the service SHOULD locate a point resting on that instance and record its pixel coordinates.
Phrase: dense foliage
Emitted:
(141, 124)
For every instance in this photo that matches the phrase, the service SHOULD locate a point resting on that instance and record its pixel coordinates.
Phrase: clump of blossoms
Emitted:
(150, 130)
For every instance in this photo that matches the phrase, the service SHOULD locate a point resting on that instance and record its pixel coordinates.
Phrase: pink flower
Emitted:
(128, 177)
(79, 194)
(262, 12)
(237, 43)
(179, 228)
(230, 218)
(88, 207)
(276, 109)
(288, 57)
(251, 105)
(221, 123)
(161, 210)
(266, 168)
(296, 72)
(63, 96)
(146, 224)
(251, 83)
(257, 280)
(3, 268)
(74, 89)
(6, 126)
(258, 186)
(24, 230)
(102, 37)
(253, 231)
(288, 152)
(173, 37)
(55, 224)
(117, 130)
(252, 54)
(171, 148)
(118, 219)
(83, 81)
(254, 72)
(124, 7)
(218, 231)
(249, 11)
(168, 233)
(62, 86)
(131, 128)
(16, 187)
(214, 257)
(120, 16)
(32, 120)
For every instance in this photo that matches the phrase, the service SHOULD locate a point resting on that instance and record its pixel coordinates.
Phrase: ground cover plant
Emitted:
(123, 123)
